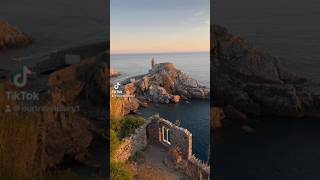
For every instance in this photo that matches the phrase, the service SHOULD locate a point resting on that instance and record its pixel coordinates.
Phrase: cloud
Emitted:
(197, 18)
(198, 14)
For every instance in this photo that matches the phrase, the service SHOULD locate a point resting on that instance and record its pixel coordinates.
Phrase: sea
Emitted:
(288, 29)
(195, 64)
(195, 115)
(52, 25)
(282, 148)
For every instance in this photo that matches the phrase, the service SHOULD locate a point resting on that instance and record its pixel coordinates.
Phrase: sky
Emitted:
(155, 26)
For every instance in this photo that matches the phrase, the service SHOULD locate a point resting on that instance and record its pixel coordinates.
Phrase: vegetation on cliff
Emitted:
(121, 128)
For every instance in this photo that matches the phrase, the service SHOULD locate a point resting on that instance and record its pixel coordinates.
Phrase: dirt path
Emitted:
(151, 166)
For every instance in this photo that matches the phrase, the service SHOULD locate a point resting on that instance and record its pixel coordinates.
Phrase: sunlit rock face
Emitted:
(11, 37)
(114, 72)
(70, 133)
(163, 84)
(256, 83)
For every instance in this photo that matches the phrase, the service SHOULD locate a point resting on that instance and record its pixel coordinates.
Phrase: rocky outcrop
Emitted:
(11, 37)
(233, 113)
(217, 115)
(256, 83)
(69, 134)
(113, 72)
(163, 84)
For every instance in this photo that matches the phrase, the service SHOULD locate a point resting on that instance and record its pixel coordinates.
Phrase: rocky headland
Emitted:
(163, 84)
(113, 72)
(250, 82)
(10, 37)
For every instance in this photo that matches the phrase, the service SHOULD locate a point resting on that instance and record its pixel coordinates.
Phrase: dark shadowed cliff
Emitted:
(253, 82)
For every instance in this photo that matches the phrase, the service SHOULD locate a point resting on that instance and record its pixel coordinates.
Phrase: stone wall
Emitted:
(180, 137)
(196, 168)
(130, 145)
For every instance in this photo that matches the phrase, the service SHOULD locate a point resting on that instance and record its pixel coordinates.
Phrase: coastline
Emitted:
(170, 110)
(262, 113)
(50, 29)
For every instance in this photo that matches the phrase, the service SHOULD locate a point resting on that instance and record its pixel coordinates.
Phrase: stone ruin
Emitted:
(159, 131)
(174, 138)
(163, 132)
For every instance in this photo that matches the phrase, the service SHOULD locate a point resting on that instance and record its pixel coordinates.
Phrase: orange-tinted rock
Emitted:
(176, 99)
(217, 115)
(71, 133)
(113, 72)
(116, 107)
(10, 37)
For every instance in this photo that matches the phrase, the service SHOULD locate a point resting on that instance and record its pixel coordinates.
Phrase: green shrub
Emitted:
(129, 124)
(121, 128)
(126, 126)
(177, 123)
(115, 124)
(114, 142)
(119, 171)
(138, 155)
(157, 115)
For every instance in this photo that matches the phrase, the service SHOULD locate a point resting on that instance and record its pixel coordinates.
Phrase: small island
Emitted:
(163, 84)
(10, 37)
(113, 72)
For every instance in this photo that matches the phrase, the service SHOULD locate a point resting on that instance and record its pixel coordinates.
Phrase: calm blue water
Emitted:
(282, 148)
(193, 116)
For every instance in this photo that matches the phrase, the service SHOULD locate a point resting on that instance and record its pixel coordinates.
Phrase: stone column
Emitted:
(152, 63)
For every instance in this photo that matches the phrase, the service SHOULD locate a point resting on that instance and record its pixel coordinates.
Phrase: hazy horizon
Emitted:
(169, 52)
(151, 26)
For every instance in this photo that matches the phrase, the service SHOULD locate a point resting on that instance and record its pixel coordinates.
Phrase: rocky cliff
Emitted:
(250, 81)
(113, 72)
(11, 37)
(163, 84)
(82, 86)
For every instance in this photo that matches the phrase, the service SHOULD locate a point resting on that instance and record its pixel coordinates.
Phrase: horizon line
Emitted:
(168, 52)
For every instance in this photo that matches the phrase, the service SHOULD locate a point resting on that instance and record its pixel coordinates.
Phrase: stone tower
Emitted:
(152, 63)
